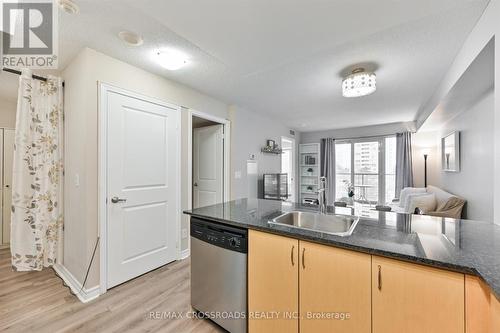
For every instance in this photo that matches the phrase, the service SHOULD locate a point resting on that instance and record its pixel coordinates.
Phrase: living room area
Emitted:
(441, 164)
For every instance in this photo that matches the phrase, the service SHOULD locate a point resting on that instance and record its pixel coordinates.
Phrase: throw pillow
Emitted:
(424, 202)
(407, 191)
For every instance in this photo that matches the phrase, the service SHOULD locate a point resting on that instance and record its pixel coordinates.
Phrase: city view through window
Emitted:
(369, 167)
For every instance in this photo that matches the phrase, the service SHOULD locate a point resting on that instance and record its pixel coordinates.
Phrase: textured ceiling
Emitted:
(285, 58)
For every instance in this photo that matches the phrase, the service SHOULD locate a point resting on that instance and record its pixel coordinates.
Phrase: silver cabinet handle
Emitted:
(291, 255)
(303, 258)
(117, 200)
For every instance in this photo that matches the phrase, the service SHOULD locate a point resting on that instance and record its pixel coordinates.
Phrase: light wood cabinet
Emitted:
(477, 305)
(494, 314)
(412, 298)
(273, 283)
(335, 289)
(482, 308)
(302, 286)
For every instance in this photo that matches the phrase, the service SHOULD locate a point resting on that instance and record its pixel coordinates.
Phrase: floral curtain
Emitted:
(37, 219)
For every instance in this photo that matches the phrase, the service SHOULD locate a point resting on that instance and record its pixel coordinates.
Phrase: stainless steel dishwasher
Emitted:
(219, 273)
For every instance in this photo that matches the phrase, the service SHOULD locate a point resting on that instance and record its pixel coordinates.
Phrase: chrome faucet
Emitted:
(322, 195)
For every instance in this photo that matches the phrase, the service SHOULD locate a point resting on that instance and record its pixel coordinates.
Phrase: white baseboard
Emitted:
(184, 254)
(84, 294)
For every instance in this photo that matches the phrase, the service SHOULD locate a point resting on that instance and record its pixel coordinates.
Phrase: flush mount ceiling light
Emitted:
(69, 6)
(130, 38)
(359, 83)
(171, 59)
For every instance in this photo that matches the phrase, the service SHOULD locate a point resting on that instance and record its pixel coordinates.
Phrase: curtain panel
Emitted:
(327, 168)
(37, 216)
(404, 163)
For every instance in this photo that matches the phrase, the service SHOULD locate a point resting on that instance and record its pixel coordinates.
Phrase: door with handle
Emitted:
(142, 185)
(208, 146)
(337, 283)
(8, 156)
(273, 282)
(412, 298)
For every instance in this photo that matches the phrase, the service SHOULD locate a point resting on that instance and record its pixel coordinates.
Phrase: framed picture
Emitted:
(450, 152)
(271, 143)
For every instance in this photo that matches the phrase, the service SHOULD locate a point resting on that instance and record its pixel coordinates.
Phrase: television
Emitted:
(276, 186)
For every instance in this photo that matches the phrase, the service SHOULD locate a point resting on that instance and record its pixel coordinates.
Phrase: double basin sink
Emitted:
(339, 225)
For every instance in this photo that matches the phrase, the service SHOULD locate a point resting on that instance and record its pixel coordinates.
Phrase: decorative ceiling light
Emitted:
(131, 38)
(171, 59)
(69, 6)
(359, 83)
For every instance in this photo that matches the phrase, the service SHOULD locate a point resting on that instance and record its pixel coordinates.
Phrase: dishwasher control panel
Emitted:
(227, 237)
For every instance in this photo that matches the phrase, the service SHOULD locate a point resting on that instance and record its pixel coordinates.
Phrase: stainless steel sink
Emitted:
(340, 225)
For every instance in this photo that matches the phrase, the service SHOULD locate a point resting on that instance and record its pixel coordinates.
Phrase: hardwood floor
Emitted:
(39, 302)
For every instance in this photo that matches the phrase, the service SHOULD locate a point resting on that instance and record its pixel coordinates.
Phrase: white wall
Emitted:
(81, 79)
(425, 141)
(249, 133)
(357, 132)
(486, 29)
(7, 113)
(474, 181)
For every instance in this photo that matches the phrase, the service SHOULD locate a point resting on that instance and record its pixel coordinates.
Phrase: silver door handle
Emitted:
(117, 200)
(195, 184)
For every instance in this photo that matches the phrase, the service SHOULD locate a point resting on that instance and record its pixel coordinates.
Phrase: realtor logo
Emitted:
(29, 38)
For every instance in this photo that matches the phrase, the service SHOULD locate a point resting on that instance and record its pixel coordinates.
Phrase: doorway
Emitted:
(6, 163)
(288, 164)
(208, 162)
(209, 183)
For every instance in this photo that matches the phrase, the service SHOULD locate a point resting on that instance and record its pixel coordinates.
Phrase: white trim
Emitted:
(227, 152)
(295, 164)
(84, 294)
(185, 254)
(227, 156)
(103, 89)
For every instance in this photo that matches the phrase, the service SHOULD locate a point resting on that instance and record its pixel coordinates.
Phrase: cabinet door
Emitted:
(477, 305)
(335, 290)
(273, 282)
(412, 298)
(495, 314)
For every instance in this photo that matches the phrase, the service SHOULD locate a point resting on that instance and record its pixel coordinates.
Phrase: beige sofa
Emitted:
(441, 203)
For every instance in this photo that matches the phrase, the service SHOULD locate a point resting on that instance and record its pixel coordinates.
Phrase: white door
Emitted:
(208, 147)
(288, 165)
(8, 156)
(142, 177)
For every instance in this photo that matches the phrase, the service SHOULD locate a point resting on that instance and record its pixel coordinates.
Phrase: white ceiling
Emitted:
(285, 58)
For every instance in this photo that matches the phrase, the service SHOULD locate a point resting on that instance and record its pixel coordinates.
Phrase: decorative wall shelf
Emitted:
(271, 150)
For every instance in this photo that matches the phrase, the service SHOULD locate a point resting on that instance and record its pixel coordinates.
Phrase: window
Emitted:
(342, 169)
(369, 165)
(366, 170)
(390, 169)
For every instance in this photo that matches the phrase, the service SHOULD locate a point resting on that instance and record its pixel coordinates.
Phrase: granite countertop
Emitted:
(465, 246)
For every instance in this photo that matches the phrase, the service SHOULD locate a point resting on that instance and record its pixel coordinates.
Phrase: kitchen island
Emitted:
(395, 272)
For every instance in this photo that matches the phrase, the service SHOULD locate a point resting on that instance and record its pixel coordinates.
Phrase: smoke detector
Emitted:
(69, 6)
(130, 38)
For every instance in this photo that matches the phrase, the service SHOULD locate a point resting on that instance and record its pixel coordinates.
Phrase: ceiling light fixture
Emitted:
(171, 59)
(359, 83)
(130, 38)
(69, 6)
